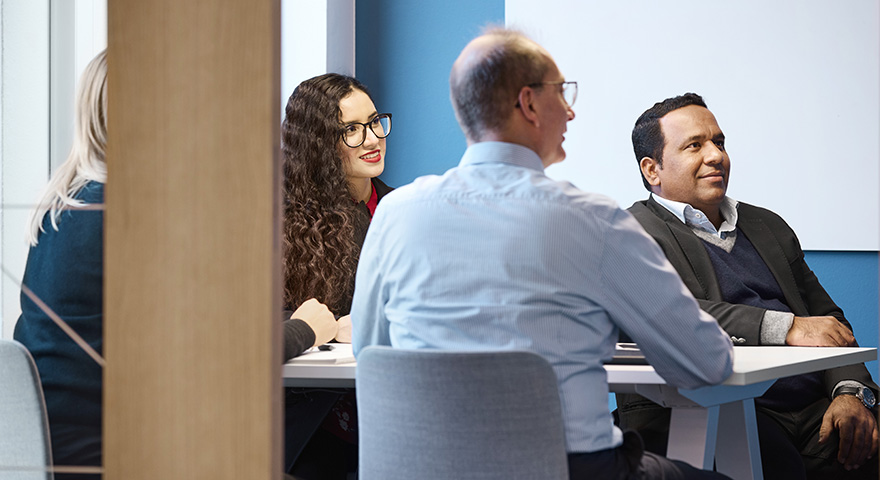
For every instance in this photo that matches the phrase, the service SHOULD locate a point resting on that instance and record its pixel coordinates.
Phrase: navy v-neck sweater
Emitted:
(745, 279)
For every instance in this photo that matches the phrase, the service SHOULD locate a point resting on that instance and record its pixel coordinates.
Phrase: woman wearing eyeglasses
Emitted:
(333, 148)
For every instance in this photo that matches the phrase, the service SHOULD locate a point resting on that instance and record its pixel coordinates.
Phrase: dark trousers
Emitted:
(789, 442)
(310, 452)
(791, 439)
(304, 410)
(75, 445)
(631, 462)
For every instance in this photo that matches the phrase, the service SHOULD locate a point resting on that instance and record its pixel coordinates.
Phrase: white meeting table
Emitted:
(698, 416)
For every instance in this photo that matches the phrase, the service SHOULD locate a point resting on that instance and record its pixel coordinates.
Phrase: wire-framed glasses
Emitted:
(569, 90)
(354, 134)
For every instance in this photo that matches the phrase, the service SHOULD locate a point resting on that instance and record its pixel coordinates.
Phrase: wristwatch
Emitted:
(865, 394)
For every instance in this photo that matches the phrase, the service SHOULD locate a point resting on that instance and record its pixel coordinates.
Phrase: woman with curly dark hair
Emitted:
(333, 148)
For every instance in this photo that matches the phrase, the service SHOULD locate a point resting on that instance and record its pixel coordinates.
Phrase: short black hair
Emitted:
(647, 136)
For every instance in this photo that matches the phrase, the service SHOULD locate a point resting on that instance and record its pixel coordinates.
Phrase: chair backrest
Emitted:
(432, 414)
(24, 427)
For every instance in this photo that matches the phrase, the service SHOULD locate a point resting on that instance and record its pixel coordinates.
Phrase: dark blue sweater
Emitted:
(65, 270)
(744, 278)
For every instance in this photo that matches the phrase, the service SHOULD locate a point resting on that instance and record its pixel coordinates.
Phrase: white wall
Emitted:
(793, 83)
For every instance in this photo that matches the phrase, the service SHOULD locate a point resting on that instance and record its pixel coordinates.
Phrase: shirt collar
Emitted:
(501, 152)
(694, 217)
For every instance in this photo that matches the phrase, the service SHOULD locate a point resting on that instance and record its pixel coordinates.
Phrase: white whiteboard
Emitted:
(795, 85)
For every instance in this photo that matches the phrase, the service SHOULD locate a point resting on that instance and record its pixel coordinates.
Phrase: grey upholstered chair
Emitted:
(24, 429)
(431, 414)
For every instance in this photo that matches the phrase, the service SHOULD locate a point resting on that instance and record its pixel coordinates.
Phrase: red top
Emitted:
(374, 199)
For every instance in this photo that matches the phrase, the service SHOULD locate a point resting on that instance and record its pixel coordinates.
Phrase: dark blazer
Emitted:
(363, 221)
(780, 249)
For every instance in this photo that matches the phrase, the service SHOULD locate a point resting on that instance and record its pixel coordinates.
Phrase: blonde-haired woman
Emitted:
(65, 270)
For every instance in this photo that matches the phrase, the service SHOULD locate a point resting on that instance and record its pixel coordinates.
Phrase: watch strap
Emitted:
(856, 391)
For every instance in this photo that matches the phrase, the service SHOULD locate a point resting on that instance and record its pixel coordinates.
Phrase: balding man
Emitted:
(494, 255)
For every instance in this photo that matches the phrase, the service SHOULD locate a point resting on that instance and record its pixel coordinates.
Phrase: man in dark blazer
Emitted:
(745, 266)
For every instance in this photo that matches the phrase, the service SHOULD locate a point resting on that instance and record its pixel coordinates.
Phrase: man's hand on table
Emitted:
(819, 332)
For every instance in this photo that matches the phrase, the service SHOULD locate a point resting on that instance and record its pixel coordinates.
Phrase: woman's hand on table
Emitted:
(343, 335)
(320, 319)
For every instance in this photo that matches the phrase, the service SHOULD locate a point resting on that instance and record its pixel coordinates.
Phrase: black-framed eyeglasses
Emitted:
(569, 90)
(354, 134)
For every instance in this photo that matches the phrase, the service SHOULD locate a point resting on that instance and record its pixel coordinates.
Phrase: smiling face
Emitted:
(695, 166)
(368, 160)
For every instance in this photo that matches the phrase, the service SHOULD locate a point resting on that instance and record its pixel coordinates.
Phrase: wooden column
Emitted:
(192, 262)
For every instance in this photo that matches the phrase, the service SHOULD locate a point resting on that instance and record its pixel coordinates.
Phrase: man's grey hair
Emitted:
(484, 91)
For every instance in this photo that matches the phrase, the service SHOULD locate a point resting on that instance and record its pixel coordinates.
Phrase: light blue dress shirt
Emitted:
(494, 255)
(697, 219)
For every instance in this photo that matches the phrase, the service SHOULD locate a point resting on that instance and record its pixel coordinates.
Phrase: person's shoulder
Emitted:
(428, 187)
(76, 221)
(640, 208)
(595, 206)
(406, 199)
(417, 188)
(594, 201)
(748, 212)
(382, 189)
(744, 208)
(647, 213)
(92, 192)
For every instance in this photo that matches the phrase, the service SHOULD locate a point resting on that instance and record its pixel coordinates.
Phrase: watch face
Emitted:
(868, 397)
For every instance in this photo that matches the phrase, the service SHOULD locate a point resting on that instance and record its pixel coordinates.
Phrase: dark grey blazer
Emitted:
(780, 249)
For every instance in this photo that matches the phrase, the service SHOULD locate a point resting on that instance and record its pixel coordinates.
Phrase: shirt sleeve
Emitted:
(775, 326)
(369, 325)
(847, 383)
(298, 336)
(646, 298)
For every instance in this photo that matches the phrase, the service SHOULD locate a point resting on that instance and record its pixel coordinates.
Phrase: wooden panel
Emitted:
(192, 291)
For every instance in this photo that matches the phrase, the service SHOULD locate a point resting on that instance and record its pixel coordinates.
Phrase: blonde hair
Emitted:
(85, 162)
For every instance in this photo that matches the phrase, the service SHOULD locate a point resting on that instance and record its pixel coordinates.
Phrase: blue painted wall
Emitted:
(851, 278)
(405, 49)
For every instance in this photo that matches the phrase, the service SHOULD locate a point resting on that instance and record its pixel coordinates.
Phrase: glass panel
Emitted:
(46, 46)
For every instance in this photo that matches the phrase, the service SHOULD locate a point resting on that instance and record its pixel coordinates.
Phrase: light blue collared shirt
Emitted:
(696, 218)
(495, 255)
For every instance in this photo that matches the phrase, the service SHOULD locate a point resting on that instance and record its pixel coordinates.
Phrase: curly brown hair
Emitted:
(320, 217)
